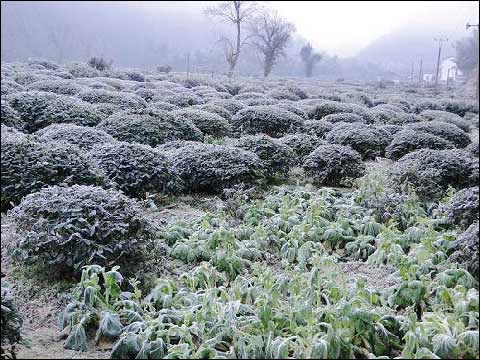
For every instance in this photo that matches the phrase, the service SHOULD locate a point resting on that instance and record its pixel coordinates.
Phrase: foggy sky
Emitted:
(345, 27)
(389, 35)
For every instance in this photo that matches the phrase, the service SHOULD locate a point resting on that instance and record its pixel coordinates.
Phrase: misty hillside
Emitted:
(396, 51)
(145, 37)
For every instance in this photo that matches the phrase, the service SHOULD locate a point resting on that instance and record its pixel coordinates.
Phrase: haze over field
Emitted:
(368, 37)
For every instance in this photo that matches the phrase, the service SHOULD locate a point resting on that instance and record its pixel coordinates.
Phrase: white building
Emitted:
(428, 77)
(449, 69)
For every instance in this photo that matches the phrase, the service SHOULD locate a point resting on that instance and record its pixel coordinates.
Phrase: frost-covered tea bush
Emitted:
(260, 102)
(455, 106)
(93, 83)
(462, 209)
(83, 136)
(473, 149)
(301, 93)
(407, 141)
(136, 169)
(46, 64)
(344, 117)
(249, 95)
(124, 100)
(69, 227)
(162, 105)
(317, 128)
(389, 107)
(368, 140)
(230, 105)
(62, 87)
(150, 127)
(331, 165)
(39, 109)
(208, 123)
(11, 117)
(301, 144)
(382, 115)
(107, 109)
(12, 322)
(159, 94)
(447, 131)
(431, 172)
(448, 117)
(28, 165)
(472, 119)
(8, 132)
(10, 87)
(387, 116)
(292, 107)
(269, 120)
(277, 157)
(183, 99)
(28, 77)
(283, 94)
(466, 250)
(327, 107)
(211, 168)
(215, 109)
(390, 129)
(82, 70)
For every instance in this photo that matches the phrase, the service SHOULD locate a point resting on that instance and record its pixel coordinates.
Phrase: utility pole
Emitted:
(188, 64)
(411, 75)
(440, 40)
(448, 76)
(420, 74)
(478, 64)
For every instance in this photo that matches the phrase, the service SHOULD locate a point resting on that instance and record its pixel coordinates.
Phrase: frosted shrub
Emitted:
(211, 168)
(69, 227)
(332, 165)
(407, 141)
(368, 140)
(28, 165)
(150, 127)
(136, 169)
(276, 156)
(38, 109)
(208, 123)
(268, 120)
(431, 172)
(62, 87)
(83, 136)
(122, 99)
(444, 130)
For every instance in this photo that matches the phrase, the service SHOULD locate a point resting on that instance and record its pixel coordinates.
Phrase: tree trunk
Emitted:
(234, 61)
(267, 67)
(309, 70)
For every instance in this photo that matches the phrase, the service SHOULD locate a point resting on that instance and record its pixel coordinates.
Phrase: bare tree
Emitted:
(270, 37)
(309, 58)
(238, 13)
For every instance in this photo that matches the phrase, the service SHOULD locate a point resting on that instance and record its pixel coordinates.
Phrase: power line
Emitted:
(440, 40)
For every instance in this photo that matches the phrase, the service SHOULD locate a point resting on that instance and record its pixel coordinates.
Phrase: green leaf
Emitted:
(109, 326)
(127, 347)
(444, 345)
(77, 339)
(319, 349)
